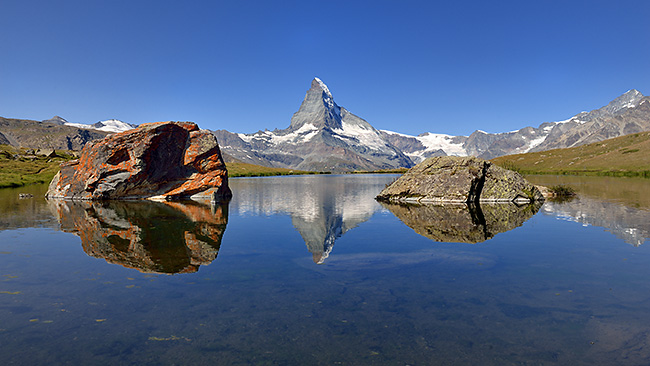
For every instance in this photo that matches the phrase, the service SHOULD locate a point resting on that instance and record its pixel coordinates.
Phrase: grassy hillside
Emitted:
(239, 169)
(621, 156)
(20, 166)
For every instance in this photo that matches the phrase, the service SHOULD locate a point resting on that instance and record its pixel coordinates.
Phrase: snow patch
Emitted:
(436, 141)
(111, 125)
(366, 136)
(303, 134)
(433, 142)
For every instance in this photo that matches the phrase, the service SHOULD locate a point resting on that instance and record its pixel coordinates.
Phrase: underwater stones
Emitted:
(158, 161)
(453, 179)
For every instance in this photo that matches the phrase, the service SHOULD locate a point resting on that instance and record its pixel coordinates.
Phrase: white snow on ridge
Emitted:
(303, 134)
(114, 125)
(324, 87)
(433, 142)
(530, 145)
(111, 125)
(79, 125)
(366, 136)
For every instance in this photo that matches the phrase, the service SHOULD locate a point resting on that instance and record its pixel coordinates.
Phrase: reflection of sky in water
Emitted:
(550, 292)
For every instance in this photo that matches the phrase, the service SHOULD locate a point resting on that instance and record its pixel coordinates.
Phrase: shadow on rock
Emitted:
(158, 237)
(463, 223)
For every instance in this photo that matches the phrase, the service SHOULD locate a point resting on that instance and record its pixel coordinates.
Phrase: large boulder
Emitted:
(456, 179)
(163, 161)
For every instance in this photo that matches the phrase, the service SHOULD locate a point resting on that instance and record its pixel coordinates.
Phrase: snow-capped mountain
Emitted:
(321, 136)
(629, 113)
(110, 125)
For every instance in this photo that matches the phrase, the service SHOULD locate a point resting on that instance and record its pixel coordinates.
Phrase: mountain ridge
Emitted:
(323, 136)
(628, 113)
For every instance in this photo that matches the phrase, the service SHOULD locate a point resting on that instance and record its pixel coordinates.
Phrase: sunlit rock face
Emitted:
(459, 180)
(158, 237)
(164, 160)
(463, 223)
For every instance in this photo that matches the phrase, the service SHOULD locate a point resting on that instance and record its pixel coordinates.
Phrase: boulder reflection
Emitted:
(159, 237)
(463, 223)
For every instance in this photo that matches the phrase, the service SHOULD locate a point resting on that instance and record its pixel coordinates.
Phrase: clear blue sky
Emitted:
(407, 66)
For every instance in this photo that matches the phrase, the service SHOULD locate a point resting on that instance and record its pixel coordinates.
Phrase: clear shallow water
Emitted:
(566, 286)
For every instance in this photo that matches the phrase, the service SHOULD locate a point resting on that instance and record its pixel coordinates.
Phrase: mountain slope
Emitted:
(624, 155)
(46, 135)
(629, 113)
(322, 136)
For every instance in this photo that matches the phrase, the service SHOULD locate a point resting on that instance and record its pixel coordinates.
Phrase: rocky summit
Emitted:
(456, 179)
(322, 136)
(158, 161)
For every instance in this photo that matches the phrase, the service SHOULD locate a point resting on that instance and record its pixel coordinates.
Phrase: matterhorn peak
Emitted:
(318, 83)
(318, 109)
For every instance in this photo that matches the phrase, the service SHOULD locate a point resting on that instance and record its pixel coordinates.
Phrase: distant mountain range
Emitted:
(323, 136)
(45, 135)
(629, 113)
(55, 133)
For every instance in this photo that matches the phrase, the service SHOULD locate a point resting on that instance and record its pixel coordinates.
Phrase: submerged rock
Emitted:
(459, 179)
(163, 160)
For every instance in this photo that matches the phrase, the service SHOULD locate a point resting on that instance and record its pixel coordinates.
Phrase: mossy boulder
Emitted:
(457, 179)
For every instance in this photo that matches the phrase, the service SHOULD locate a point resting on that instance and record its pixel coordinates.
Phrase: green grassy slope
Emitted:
(19, 167)
(621, 156)
(239, 169)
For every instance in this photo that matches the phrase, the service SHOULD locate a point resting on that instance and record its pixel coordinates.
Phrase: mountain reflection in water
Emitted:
(463, 223)
(620, 205)
(630, 224)
(322, 208)
(160, 237)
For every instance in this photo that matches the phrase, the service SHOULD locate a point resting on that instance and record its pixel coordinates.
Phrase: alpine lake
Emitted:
(311, 270)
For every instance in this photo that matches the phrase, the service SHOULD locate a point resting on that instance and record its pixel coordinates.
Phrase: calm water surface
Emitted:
(311, 270)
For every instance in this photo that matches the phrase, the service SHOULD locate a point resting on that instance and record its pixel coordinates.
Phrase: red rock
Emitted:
(163, 160)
